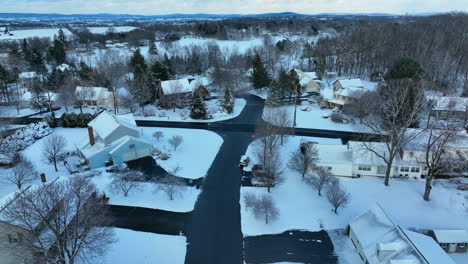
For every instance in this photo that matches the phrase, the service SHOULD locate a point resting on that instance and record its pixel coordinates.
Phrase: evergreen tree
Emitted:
(159, 71)
(168, 63)
(37, 62)
(260, 77)
(198, 108)
(61, 37)
(410, 70)
(137, 63)
(284, 86)
(57, 52)
(274, 94)
(153, 50)
(227, 103)
(85, 72)
(38, 99)
(295, 84)
(25, 51)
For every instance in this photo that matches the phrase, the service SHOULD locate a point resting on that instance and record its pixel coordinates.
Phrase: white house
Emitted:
(346, 91)
(379, 240)
(94, 96)
(27, 79)
(112, 140)
(452, 241)
(447, 107)
(355, 160)
(455, 151)
(308, 80)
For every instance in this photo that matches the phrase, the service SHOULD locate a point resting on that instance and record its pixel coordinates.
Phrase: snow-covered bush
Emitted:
(25, 137)
(149, 110)
(337, 118)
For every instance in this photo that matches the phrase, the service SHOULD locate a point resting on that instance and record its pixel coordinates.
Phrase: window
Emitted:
(404, 169)
(15, 238)
(443, 245)
(364, 168)
(381, 169)
(462, 245)
(414, 169)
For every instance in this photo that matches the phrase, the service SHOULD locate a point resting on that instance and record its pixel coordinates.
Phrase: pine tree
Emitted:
(137, 63)
(284, 85)
(168, 63)
(159, 71)
(274, 96)
(227, 103)
(295, 84)
(61, 37)
(260, 77)
(85, 72)
(37, 62)
(153, 50)
(38, 99)
(57, 52)
(198, 108)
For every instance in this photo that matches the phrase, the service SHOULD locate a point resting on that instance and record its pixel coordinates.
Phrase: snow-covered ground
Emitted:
(459, 258)
(183, 115)
(10, 111)
(343, 247)
(104, 30)
(31, 33)
(301, 208)
(194, 156)
(145, 248)
(148, 195)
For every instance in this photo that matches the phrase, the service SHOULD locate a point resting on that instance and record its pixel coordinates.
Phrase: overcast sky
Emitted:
(157, 7)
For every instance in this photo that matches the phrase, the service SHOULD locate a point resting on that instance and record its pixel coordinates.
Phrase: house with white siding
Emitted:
(377, 239)
(112, 139)
(94, 96)
(355, 160)
(346, 91)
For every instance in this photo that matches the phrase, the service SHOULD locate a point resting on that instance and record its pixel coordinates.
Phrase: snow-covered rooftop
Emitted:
(451, 236)
(176, 86)
(63, 67)
(460, 140)
(351, 83)
(330, 153)
(376, 230)
(105, 123)
(98, 92)
(446, 103)
(27, 75)
(355, 92)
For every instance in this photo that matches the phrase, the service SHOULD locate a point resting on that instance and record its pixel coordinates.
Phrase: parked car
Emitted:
(118, 168)
(244, 161)
(260, 182)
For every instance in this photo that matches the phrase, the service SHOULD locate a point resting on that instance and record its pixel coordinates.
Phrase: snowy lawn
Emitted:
(10, 111)
(194, 156)
(343, 247)
(31, 33)
(183, 115)
(301, 208)
(148, 195)
(145, 248)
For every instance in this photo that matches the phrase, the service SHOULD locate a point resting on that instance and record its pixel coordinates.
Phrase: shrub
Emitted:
(337, 118)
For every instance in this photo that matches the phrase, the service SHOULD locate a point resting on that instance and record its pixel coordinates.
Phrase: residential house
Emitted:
(446, 107)
(112, 139)
(178, 93)
(17, 242)
(346, 91)
(309, 81)
(452, 241)
(379, 240)
(95, 96)
(355, 160)
(27, 79)
(455, 153)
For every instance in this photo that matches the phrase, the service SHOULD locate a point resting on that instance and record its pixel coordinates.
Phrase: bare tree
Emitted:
(281, 119)
(392, 120)
(126, 182)
(54, 149)
(81, 95)
(250, 199)
(175, 141)
(22, 173)
(362, 107)
(337, 195)
(158, 135)
(170, 183)
(303, 162)
(324, 177)
(265, 208)
(65, 216)
(271, 163)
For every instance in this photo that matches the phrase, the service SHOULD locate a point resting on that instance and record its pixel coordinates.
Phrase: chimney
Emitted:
(91, 136)
(43, 178)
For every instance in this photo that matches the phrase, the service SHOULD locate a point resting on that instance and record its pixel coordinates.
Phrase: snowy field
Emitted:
(31, 33)
(145, 248)
(301, 208)
(183, 115)
(104, 30)
(194, 156)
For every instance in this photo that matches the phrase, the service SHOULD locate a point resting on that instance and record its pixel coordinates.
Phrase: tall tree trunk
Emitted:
(389, 169)
(428, 188)
(55, 165)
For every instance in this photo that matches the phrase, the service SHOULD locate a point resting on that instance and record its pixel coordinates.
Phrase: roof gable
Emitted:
(176, 86)
(105, 123)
